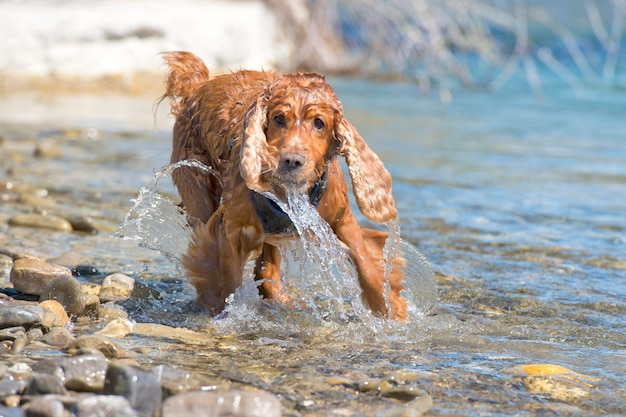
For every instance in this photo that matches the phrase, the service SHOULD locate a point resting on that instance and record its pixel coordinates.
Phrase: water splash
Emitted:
(318, 274)
(156, 221)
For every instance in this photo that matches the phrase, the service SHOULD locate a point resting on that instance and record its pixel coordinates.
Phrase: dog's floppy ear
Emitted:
(371, 181)
(255, 157)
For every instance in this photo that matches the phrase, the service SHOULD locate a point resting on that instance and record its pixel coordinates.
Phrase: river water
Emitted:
(517, 200)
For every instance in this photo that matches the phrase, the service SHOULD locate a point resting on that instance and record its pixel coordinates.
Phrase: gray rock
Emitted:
(12, 333)
(41, 221)
(20, 316)
(45, 406)
(140, 387)
(68, 292)
(176, 381)
(11, 411)
(58, 336)
(85, 373)
(45, 384)
(231, 403)
(12, 387)
(104, 406)
(31, 276)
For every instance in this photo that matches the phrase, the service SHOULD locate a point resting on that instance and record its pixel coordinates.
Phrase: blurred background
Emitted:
(113, 45)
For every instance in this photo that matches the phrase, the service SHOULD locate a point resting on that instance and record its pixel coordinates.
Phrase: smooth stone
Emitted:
(176, 381)
(81, 223)
(11, 411)
(116, 287)
(117, 328)
(31, 276)
(34, 334)
(58, 336)
(41, 221)
(85, 373)
(45, 406)
(20, 316)
(42, 384)
(140, 387)
(179, 334)
(231, 403)
(540, 369)
(111, 311)
(18, 345)
(104, 406)
(12, 387)
(12, 333)
(66, 290)
(98, 342)
(60, 315)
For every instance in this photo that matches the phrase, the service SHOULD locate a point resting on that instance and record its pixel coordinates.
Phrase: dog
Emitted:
(268, 132)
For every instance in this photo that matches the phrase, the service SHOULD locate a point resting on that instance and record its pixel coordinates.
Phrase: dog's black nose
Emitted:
(292, 161)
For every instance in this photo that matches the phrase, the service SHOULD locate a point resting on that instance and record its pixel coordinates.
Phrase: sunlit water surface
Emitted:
(517, 201)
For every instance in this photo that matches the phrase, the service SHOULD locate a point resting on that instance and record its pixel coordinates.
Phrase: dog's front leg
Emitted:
(369, 269)
(215, 262)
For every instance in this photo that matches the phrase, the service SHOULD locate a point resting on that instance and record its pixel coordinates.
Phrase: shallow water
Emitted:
(517, 201)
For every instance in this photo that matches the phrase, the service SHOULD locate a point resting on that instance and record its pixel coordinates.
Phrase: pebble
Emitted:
(85, 372)
(116, 287)
(235, 403)
(554, 381)
(45, 384)
(31, 276)
(140, 387)
(97, 342)
(69, 258)
(60, 315)
(45, 406)
(104, 406)
(117, 328)
(58, 336)
(68, 292)
(25, 316)
(41, 221)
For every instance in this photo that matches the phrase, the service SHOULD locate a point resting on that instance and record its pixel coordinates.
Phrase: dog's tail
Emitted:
(186, 72)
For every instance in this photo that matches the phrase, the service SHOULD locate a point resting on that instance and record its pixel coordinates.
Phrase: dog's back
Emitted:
(209, 116)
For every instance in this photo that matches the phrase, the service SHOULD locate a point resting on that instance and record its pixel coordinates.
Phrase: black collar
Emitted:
(274, 220)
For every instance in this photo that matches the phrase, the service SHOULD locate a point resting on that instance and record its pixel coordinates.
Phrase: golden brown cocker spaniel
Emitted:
(269, 132)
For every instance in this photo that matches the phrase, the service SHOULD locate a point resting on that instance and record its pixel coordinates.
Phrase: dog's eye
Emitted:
(280, 119)
(318, 123)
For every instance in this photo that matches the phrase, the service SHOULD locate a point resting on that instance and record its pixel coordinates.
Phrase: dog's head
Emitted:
(294, 129)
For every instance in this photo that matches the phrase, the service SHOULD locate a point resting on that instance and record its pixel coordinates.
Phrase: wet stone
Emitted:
(98, 342)
(31, 276)
(20, 316)
(117, 328)
(85, 373)
(58, 336)
(140, 387)
(60, 315)
(67, 291)
(45, 406)
(231, 403)
(116, 287)
(175, 381)
(45, 384)
(104, 406)
(12, 387)
(11, 411)
(41, 221)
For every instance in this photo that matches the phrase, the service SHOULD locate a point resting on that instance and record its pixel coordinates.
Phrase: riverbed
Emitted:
(517, 201)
